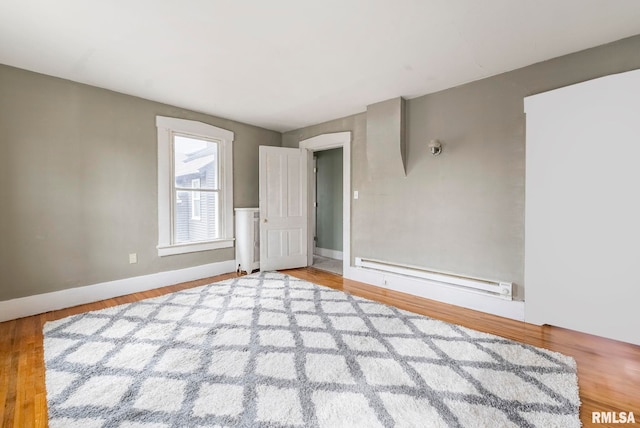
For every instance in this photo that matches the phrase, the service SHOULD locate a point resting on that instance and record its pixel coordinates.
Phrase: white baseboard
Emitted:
(40, 303)
(332, 254)
(513, 309)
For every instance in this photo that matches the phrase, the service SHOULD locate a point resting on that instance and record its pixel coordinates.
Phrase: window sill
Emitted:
(192, 247)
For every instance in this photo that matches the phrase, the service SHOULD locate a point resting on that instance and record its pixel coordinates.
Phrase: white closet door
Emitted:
(283, 208)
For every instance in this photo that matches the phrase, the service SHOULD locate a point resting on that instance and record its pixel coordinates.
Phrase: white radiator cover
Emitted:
(247, 239)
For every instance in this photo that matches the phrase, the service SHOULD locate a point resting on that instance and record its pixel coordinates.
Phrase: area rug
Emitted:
(271, 350)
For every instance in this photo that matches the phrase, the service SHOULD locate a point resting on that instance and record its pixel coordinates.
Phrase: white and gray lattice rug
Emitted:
(272, 350)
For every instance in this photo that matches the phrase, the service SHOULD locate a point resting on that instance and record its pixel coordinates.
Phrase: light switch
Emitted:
(355, 194)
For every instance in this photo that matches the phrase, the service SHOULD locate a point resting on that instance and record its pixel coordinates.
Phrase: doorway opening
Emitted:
(327, 210)
(333, 257)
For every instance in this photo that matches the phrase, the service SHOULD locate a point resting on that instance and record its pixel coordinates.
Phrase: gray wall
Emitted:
(78, 170)
(329, 198)
(78, 167)
(386, 135)
(462, 211)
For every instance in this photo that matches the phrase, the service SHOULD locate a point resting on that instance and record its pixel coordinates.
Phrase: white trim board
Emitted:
(40, 303)
(332, 254)
(512, 309)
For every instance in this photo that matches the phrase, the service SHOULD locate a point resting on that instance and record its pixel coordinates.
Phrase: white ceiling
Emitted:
(285, 64)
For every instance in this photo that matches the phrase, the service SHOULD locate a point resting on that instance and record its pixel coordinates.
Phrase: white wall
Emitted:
(582, 227)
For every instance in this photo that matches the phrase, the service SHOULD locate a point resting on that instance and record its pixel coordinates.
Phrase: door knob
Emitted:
(264, 221)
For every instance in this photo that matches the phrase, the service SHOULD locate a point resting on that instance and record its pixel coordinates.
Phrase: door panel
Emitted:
(283, 208)
(294, 185)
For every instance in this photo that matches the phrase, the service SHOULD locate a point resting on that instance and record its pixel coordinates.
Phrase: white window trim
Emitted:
(166, 127)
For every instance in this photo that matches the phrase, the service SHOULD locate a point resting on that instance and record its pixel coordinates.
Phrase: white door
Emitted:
(283, 208)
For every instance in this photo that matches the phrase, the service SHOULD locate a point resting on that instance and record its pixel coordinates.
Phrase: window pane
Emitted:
(196, 216)
(195, 159)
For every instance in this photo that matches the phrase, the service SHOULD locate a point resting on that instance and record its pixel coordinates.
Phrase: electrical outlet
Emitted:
(133, 258)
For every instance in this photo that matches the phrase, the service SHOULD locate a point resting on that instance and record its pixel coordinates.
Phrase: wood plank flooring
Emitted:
(608, 371)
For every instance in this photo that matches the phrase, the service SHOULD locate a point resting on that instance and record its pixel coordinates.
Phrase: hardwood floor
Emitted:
(608, 371)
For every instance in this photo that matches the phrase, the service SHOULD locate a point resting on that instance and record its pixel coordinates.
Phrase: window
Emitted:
(195, 200)
(195, 186)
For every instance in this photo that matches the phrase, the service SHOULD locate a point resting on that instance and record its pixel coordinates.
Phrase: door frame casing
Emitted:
(313, 174)
(325, 142)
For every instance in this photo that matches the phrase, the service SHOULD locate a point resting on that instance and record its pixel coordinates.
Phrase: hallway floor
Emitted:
(327, 264)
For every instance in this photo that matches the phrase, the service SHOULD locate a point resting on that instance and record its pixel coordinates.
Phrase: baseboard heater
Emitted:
(499, 289)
